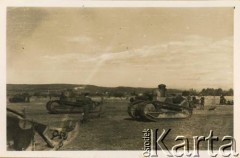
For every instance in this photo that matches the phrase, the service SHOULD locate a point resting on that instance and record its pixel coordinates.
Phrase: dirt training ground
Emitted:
(115, 130)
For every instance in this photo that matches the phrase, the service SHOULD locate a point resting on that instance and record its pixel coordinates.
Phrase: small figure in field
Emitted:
(86, 107)
(202, 101)
(194, 99)
(191, 100)
(222, 100)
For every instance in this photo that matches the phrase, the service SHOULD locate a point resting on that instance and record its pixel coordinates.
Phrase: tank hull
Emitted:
(156, 111)
(64, 107)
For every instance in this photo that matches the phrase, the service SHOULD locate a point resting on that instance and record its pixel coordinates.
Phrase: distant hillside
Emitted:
(31, 88)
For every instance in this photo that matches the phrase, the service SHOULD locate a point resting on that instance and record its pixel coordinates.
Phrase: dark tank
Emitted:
(70, 103)
(20, 98)
(160, 106)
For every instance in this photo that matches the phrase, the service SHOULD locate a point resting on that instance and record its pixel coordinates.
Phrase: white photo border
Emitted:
(76, 3)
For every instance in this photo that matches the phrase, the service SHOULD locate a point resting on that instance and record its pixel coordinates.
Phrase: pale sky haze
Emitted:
(139, 47)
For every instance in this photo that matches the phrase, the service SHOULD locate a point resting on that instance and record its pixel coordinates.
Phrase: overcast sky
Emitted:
(140, 47)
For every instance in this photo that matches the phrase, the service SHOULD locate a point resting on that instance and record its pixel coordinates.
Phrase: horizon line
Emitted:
(110, 86)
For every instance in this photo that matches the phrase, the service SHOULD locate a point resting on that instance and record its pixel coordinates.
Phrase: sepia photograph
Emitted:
(114, 78)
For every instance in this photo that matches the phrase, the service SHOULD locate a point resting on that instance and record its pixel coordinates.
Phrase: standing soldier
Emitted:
(222, 100)
(194, 101)
(202, 100)
(87, 106)
(190, 100)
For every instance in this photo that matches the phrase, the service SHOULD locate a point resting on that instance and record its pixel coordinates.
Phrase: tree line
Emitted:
(209, 92)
